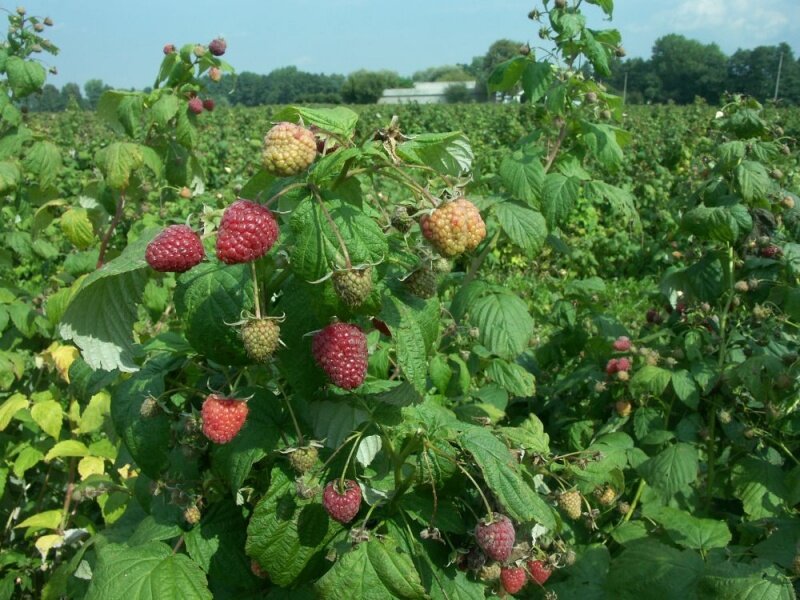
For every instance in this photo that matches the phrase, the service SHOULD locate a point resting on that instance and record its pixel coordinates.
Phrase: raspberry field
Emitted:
(540, 350)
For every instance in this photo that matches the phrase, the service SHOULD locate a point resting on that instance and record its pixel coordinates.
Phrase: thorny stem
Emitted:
(178, 545)
(406, 180)
(114, 222)
(335, 229)
(349, 458)
(68, 495)
(554, 150)
(478, 260)
(256, 294)
(635, 502)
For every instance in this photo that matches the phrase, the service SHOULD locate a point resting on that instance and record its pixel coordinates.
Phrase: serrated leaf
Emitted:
(24, 76)
(525, 227)
(651, 380)
(374, 570)
(672, 470)
(164, 109)
(408, 326)
(448, 153)
(339, 120)
(368, 449)
(689, 531)
(118, 161)
(78, 228)
(504, 325)
(100, 317)
(501, 474)
(10, 176)
(65, 449)
(604, 143)
(739, 581)
(10, 407)
(512, 377)
(286, 534)
(559, 196)
(760, 486)
(649, 569)
(506, 75)
(317, 251)
(209, 298)
(536, 79)
(523, 175)
(50, 519)
(149, 571)
(753, 180)
(44, 159)
(47, 415)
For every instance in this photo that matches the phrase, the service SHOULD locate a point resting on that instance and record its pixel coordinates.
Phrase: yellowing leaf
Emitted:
(47, 415)
(10, 407)
(47, 542)
(49, 519)
(90, 465)
(67, 448)
(61, 357)
(95, 413)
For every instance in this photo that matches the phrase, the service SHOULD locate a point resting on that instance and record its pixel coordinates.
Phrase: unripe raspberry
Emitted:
(591, 98)
(199, 50)
(353, 286)
(741, 287)
(605, 495)
(570, 502)
(214, 74)
(289, 149)
(260, 338)
(21, 11)
(195, 105)
(304, 459)
(192, 515)
(38, 27)
(489, 572)
(48, 21)
(619, 51)
(623, 376)
(623, 408)
(218, 46)
(149, 407)
(422, 283)
(454, 228)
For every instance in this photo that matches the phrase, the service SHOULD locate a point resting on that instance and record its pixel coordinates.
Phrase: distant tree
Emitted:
(644, 85)
(443, 73)
(49, 100)
(93, 89)
(458, 93)
(688, 68)
(482, 66)
(754, 72)
(365, 87)
(71, 96)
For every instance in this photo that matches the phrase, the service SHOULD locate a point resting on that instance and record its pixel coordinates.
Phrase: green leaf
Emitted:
(50, 519)
(597, 53)
(44, 159)
(146, 439)
(689, 531)
(339, 121)
(407, 323)
(164, 109)
(604, 142)
(374, 570)
(146, 572)
(536, 79)
(47, 415)
(760, 486)
(287, 535)
(506, 75)
(24, 76)
(317, 251)
(334, 421)
(649, 569)
(672, 470)
(118, 161)
(100, 317)
(10, 176)
(501, 473)
(586, 577)
(208, 298)
(650, 380)
(78, 228)
(523, 175)
(685, 388)
(502, 318)
(606, 5)
(512, 377)
(67, 448)
(10, 407)
(449, 153)
(559, 196)
(753, 180)
(737, 581)
(723, 224)
(525, 227)
(217, 545)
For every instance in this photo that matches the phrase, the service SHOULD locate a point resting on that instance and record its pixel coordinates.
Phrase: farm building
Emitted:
(427, 92)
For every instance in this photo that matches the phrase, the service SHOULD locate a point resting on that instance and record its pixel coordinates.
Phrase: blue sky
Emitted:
(120, 42)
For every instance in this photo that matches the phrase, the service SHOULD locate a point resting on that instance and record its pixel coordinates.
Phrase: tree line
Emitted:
(679, 70)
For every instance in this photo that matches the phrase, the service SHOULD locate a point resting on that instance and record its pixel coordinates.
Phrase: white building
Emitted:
(425, 92)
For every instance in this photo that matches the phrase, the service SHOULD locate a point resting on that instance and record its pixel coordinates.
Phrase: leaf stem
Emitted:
(110, 231)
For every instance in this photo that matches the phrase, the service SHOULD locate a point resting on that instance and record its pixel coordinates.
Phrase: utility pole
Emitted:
(625, 88)
(778, 78)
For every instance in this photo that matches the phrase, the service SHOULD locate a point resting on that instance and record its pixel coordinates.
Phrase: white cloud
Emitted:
(744, 19)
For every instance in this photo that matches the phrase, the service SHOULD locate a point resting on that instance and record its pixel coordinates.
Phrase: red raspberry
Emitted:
(175, 250)
(496, 538)
(341, 351)
(208, 104)
(771, 251)
(223, 418)
(623, 364)
(247, 231)
(195, 105)
(622, 344)
(513, 579)
(218, 46)
(540, 571)
(342, 507)
(454, 228)
(169, 48)
(612, 366)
